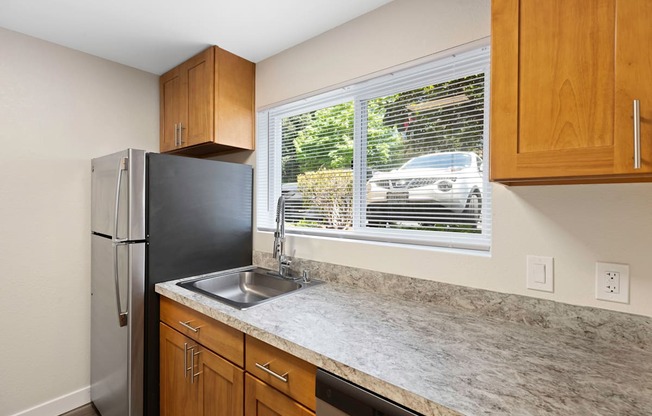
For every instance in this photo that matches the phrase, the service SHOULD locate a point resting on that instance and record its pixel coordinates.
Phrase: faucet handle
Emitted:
(305, 275)
(285, 260)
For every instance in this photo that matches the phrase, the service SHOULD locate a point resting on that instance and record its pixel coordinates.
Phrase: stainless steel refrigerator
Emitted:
(154, 218)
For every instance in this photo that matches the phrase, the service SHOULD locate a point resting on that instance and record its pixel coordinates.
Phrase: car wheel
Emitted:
(473, 211)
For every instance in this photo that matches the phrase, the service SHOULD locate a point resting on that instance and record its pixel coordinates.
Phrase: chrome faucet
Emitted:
(279, 240)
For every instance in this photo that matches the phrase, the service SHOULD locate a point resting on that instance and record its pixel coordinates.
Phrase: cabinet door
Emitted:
(198, 75)
(178, 395)
(171, 108)
(263, 400)
(220, 384)
(633, 70)
(552, 88)
(234, 100)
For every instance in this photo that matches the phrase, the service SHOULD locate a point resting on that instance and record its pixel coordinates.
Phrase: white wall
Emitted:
(58, 109)
(577, 225)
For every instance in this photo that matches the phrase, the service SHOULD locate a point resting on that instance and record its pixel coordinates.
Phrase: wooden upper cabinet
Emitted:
(207, 104)
(563, 80)
(198, 74)
(171, 115)
(633, 75)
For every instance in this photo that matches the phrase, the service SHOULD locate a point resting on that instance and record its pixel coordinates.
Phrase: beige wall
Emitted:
(577, 225)
(395, 34)
(58, 109)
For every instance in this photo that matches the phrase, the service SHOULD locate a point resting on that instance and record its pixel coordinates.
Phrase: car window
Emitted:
(439, 161)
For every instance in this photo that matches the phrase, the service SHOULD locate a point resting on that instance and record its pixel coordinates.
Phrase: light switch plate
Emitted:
(540, 273)
(612, 282)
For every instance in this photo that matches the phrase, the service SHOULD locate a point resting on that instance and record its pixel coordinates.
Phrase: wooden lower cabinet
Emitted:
(195, 381)
(301, 376)
(216, 336)
(263, 400)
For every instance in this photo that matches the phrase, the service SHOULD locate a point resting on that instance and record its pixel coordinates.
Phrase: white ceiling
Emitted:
(156, 35)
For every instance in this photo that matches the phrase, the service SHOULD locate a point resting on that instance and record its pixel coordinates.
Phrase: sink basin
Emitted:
(244, 288)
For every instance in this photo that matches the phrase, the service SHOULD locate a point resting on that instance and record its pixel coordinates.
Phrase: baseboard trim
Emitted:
(60, 405)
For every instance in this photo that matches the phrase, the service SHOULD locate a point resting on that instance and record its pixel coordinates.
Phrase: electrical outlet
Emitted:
(612, 282)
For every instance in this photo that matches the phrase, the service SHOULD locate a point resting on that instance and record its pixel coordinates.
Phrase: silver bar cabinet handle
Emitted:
(180, 134)
(185, 360)
(265, 367)
(637, 134)
(192, 372)
(176, 135)
(187, 325)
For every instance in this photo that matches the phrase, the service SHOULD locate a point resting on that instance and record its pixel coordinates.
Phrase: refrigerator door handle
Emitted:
(122, 166)
(122, 315)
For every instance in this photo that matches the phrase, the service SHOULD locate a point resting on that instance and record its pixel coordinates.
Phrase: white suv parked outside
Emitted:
(429, 189)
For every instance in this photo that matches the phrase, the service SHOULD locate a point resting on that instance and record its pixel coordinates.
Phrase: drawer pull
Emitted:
(187, 325)
(265, 367)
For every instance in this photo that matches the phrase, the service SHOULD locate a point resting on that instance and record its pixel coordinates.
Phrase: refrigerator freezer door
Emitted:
(118, 193)
(117, 351)
(199, 216)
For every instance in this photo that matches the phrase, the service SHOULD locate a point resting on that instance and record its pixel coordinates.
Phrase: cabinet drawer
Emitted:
(299, 376)
(222, 339)
(263, 400)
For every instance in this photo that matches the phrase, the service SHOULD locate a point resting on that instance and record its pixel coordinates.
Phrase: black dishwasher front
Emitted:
(338, 397)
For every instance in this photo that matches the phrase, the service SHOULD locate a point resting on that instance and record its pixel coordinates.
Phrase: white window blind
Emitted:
(394, 159)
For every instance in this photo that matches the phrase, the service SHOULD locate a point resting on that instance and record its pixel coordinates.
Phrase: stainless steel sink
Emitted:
(247, 287)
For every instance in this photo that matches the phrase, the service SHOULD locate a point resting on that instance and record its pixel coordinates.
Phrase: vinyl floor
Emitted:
(86, 410)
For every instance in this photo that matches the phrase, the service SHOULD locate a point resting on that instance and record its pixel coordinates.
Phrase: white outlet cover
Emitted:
(601, 292)
(540, 273)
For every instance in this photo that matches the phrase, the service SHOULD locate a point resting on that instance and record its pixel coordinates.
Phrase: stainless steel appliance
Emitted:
(154, 218)
(338, 397)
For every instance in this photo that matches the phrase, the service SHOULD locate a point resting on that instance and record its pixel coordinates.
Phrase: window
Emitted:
(395, 159)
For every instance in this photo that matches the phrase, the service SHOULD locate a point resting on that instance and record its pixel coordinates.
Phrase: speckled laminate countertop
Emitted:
(438, 361)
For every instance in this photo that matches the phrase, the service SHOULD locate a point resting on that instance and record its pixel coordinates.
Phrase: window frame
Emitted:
(269, 145)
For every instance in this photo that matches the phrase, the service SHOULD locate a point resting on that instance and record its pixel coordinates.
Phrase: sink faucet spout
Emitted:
(279, 240)
(279, 234)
